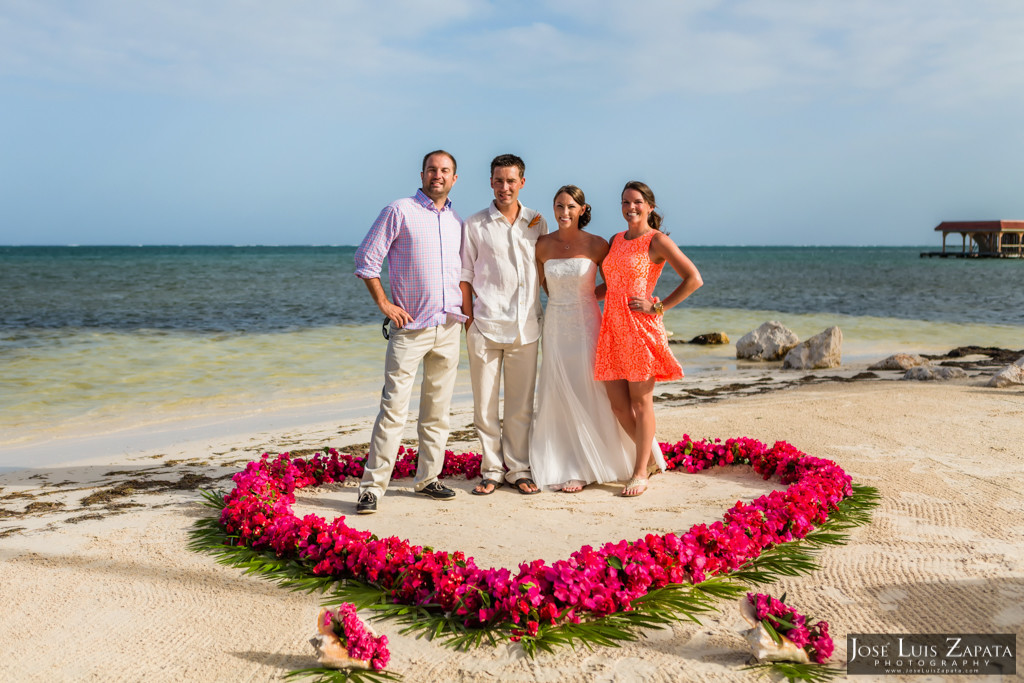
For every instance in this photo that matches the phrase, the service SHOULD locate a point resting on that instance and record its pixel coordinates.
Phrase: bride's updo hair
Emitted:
(578, 197)
(654, 219)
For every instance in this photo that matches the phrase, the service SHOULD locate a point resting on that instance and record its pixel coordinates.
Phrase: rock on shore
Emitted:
(770, 341)
(823, 350)
(899, 361)
(1010, 375)
(933, 372)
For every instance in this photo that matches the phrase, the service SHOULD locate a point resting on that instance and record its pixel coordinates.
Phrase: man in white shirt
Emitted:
(501, 298)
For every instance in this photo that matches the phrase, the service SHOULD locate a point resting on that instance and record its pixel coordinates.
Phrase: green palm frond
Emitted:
(794, 671)
(324, 675)
(363, 596)
(604, 632)
(213, 498)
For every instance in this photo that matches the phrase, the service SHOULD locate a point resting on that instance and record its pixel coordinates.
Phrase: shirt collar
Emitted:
(428, 203)
(496, 214)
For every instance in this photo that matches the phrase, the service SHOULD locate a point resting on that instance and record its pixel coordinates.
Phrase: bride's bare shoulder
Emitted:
(597, 247)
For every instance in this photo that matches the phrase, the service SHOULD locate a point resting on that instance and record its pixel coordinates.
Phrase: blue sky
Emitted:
(756, 123)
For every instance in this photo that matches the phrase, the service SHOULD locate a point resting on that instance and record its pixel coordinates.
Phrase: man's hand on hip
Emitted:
(396, 314)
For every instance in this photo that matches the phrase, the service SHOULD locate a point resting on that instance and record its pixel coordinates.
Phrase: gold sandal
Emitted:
(639, 483)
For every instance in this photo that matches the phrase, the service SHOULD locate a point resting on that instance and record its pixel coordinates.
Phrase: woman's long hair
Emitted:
(654, 218)
(577, 195)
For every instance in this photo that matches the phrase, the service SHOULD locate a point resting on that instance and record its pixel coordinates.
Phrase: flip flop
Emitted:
(527, 482)
(485, 483)
(635, 483)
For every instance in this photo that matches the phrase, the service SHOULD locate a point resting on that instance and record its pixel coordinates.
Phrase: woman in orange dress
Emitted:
(632, 349)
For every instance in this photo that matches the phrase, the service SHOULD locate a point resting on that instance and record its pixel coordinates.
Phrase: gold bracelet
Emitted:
(659, 308)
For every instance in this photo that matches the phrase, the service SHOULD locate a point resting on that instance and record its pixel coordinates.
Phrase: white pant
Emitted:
(507, 442)
(438, 349)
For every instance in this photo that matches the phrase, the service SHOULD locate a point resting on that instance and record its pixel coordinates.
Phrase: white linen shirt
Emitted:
(499, 261)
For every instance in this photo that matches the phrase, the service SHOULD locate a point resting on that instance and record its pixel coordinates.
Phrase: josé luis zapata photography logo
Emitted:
(931, 653)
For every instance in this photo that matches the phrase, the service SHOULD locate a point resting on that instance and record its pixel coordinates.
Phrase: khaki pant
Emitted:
(438, 349)
(507, 442)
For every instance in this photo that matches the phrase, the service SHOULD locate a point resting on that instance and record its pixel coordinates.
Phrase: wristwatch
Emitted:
(659, 308)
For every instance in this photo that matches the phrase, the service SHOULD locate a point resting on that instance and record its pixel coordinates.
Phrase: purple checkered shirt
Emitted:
(421, 245)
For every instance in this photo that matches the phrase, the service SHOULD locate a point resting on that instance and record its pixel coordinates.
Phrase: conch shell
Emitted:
(761, 643)
(330, 651)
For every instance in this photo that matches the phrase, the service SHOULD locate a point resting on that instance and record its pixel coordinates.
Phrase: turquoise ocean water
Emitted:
(107, 339)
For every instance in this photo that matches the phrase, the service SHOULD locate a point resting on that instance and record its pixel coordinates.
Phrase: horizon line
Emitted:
(354, 246)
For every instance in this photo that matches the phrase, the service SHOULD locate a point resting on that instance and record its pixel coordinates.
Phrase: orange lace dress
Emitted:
(632, 345)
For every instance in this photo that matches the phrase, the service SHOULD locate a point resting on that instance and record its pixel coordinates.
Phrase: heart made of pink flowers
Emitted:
(590, 583)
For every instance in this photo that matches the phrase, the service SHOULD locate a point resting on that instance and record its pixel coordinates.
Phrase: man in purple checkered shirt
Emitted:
(420, 238)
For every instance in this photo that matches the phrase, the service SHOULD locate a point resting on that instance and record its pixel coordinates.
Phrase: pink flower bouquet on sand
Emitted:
(344, 641)
(781, 634)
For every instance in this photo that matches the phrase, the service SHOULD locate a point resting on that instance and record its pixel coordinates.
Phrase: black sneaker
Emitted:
(437, 491)
(367, 504)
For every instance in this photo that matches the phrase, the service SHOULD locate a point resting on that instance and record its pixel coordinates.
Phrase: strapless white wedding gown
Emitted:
(575, 434)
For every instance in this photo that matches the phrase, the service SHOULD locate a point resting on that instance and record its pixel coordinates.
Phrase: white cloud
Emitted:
(947, 51)
(200, 47)
(953, 50)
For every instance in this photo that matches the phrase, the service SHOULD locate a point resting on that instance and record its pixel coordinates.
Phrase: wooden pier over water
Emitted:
(982, 239)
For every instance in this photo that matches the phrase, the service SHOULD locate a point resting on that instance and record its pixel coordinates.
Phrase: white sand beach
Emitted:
(97, 584)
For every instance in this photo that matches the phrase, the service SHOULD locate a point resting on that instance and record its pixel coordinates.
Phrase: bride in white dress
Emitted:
(576, 439)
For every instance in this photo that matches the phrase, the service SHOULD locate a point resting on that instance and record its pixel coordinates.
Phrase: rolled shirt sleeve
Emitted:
(422, 248)
(375, 245)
